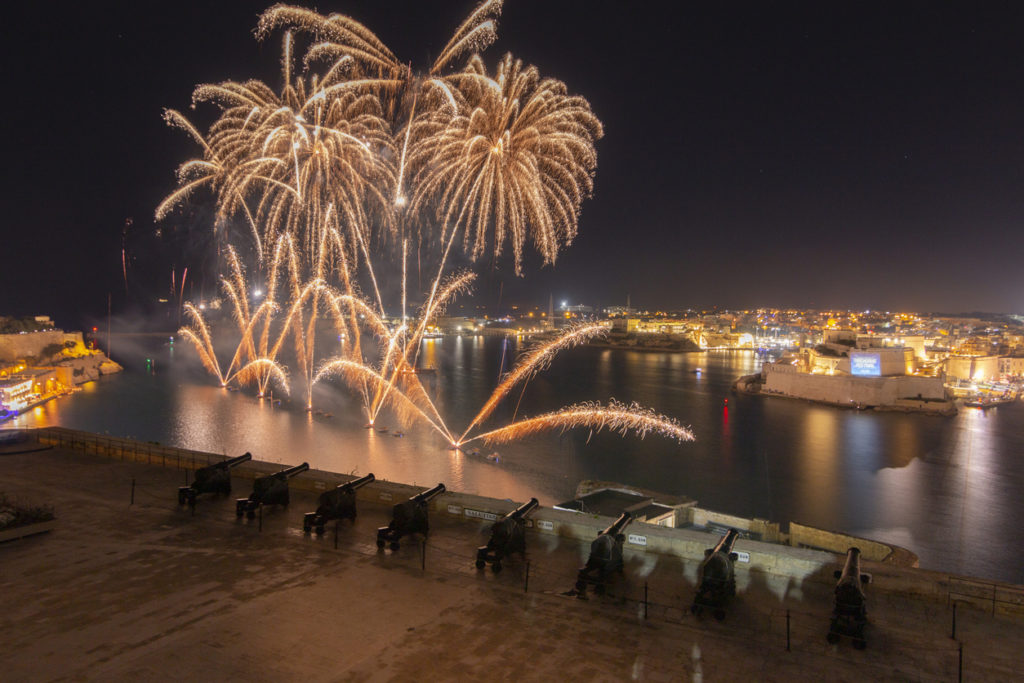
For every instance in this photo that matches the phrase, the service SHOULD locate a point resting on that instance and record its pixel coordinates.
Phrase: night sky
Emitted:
(850, 155)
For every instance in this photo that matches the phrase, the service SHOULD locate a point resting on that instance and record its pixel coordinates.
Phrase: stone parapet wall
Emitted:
(799, 564)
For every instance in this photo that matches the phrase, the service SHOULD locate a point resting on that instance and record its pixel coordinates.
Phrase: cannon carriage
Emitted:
(408, 517)
(338, 503)
(215, 478)
(716, 580)
(850, 614)
(508, 535)
(269, 490)
(605, 558)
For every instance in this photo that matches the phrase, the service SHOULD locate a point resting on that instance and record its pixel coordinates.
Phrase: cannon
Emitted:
(716, 578)
(338, 503)
(605, 557)
(269, 490)
(850, 615)
(508, 535)
(408, 517)
(214, 478)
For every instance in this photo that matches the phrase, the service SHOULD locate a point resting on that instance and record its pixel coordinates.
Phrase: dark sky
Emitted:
(818, 154)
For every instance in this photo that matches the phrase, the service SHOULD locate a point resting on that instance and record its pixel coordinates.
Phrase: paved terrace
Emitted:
(146, 591)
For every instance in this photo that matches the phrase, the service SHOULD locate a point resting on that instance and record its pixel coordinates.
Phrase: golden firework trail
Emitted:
(358, 374)
(533, 362)
(615, 417)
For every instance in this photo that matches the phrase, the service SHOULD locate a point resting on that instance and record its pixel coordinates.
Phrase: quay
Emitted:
(132, 586)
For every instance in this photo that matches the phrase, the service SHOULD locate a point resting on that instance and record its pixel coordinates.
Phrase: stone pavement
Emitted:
(146, 591)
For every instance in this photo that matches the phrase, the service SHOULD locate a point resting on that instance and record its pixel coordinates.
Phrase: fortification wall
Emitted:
(799, 564)
(848, 390)
(30, 344)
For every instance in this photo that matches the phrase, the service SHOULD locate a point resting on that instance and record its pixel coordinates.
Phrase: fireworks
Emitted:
(615, 417)
(337, 163)
(518, 159)
(531, 364)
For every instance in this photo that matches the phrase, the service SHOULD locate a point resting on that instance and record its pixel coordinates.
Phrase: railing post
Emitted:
(787, 631)
(526, 581)
(952, 633)
(645, 601)
(132, 501)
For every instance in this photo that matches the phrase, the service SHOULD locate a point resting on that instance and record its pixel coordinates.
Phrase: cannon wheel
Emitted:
(380, 543)
(320, 530)
(480, 564)
(496, 566)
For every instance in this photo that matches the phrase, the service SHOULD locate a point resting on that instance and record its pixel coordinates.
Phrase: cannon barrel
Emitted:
(292, 471)
(726, 544)
(233, 462)
(428, 495)
(359, 483)
(851, 570)
(523, 510)
(618, 525)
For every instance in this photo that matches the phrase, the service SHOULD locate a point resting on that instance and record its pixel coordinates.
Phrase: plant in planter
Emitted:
(14, 514)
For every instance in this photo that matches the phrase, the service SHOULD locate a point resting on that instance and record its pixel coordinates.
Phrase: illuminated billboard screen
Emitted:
(865, 364)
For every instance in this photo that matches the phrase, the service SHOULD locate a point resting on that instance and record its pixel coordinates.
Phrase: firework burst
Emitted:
(615, 417)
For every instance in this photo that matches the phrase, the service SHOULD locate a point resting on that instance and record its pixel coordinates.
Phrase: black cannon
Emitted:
(508, 535)
(850, 615)
(214, 478)
(338, 503)
(408, 517)
(717, 578)
(605, 557)
(269, 490)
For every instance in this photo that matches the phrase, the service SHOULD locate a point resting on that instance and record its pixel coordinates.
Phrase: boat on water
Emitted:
(984, 402)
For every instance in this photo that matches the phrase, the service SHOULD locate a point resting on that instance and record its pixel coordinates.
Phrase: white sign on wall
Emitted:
(545, 525)
(637, 539)
(384, 495)
(743, 557)
(480, 514)
(455, 509)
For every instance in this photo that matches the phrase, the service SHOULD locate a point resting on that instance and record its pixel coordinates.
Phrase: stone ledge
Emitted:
(27, 530)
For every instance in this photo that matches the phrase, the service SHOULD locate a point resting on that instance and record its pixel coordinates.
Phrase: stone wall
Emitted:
(30, 344)
(846, 390)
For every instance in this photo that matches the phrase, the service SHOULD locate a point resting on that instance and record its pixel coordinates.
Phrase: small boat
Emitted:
(368, 425)
(494, 457)
(382, 430)
(398, 435)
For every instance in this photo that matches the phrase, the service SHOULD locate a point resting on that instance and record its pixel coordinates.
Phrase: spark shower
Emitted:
(359, 161)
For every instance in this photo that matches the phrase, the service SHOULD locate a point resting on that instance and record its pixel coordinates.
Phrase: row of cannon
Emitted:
(716, 580)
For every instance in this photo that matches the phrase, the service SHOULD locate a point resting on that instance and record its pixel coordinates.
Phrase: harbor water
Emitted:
(949, 489)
